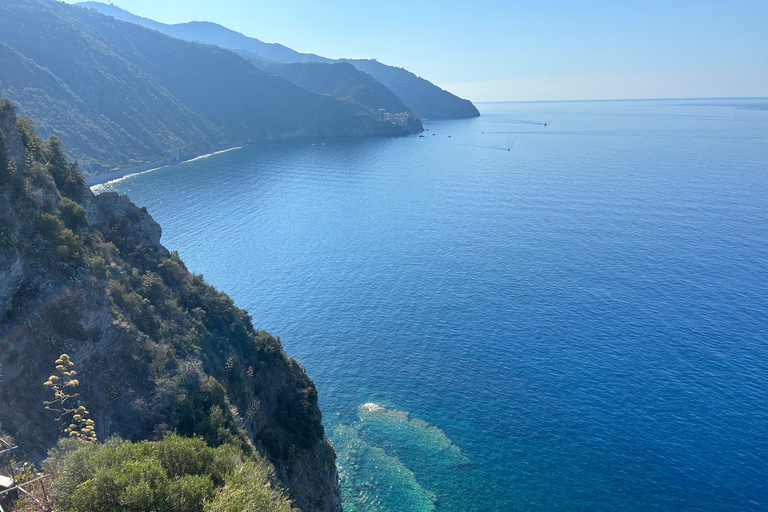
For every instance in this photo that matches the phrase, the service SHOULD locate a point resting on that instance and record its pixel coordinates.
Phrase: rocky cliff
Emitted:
(156, 349)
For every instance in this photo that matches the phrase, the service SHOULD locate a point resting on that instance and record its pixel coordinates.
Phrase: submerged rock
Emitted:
(406, 433)
(389, 461)
(372, 480)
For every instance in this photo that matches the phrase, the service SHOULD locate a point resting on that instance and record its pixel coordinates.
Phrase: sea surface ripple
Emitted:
(572, 316)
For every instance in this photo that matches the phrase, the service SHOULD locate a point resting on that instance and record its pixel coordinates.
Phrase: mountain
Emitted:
(155, 348)
(341, 80)
(210, 33)
(119, 93)
(421, 96)
(426, 99)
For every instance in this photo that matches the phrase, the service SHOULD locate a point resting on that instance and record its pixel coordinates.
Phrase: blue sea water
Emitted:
(570, 317)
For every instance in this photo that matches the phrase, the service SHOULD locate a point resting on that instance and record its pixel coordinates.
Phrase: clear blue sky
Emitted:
(507, 50)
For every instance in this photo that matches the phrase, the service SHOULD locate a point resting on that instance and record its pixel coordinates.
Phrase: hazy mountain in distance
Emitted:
(342, 80)
(210, 33)
(323, 78)
(139, 95)
(422, 97)
(432, 102)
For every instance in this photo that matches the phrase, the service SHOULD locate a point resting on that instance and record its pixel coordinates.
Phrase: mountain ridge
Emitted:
(425, 99)
(121, 94)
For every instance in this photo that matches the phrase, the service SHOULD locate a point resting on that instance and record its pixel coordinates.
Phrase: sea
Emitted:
(557, 306)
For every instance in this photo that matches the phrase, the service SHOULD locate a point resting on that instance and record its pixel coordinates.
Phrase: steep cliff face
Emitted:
(156, 349)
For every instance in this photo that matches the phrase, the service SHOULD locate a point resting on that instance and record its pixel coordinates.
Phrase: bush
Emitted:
(248, 489)
(65, 174)
(99, 267)
(175, 474)
(49, 225)
(73, 245)
(73, 214)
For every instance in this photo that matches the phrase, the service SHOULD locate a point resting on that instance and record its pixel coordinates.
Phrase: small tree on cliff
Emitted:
(65, 174)
(73, 421)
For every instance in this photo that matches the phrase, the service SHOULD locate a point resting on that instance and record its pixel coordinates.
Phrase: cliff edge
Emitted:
(155, 347)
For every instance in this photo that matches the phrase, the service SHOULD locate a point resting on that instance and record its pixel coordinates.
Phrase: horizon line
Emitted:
(631, 99)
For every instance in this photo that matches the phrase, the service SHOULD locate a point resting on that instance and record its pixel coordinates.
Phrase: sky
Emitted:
(542, 50)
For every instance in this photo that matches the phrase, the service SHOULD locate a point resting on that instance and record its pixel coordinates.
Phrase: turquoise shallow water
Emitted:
(557, 318)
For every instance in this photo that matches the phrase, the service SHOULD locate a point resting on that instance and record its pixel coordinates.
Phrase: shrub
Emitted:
(65, 174)
(73, 245)
(175, 474)
(247, 488)
(49, 225)
(73, 214)
(99, 267)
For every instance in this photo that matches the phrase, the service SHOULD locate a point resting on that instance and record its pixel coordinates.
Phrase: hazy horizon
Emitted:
(630, 99)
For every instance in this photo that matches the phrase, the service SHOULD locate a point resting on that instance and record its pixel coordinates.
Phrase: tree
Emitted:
(65, 174)
(49, 225)
(72, 213)
(73, 421)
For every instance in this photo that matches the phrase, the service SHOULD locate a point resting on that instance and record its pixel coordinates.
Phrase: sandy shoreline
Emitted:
(97, 180)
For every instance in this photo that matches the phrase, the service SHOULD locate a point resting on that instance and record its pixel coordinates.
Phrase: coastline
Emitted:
(95, 180)
(105, 178)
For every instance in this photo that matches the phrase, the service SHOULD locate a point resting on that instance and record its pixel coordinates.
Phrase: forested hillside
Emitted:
(421, 96)
(344, 81)
(117, 92)
(424, 98)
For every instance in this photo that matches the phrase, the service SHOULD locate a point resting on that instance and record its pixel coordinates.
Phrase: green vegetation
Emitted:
(72, 213)
(49, 225)
(70, 247)
(68, 180)
(344, 81)
(426, 99)
(174, 474)
(246, 489)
